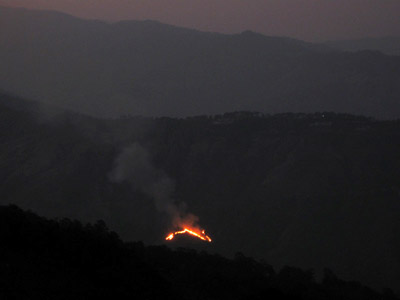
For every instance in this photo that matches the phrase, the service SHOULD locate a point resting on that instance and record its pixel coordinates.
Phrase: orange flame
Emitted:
(201, 235)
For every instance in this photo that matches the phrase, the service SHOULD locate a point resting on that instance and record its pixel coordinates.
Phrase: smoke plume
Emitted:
(134, 166)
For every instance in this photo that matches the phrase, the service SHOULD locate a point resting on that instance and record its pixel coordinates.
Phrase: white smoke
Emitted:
(134, 166)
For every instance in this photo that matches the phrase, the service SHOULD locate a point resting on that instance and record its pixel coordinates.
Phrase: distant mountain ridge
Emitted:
(387, 45)
(151, 69)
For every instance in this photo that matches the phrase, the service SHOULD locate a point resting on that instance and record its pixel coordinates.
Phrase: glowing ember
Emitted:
(201, 235)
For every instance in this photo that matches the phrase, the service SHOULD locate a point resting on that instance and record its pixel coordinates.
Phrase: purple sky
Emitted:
(312, 20)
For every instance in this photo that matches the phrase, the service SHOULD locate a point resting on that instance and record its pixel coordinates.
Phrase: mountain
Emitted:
(151, 69)
(64, 259)
(45, 259)
(307, 190)
(387, 45)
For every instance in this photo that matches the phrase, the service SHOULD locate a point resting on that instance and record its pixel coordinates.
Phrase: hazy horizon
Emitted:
(263, 146)
(310, 20)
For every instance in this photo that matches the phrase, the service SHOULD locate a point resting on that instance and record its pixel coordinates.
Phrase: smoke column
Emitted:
(134, 166)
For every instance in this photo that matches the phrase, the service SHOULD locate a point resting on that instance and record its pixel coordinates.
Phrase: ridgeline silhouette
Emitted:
(307, 190)
(151, 69)
(64, 259)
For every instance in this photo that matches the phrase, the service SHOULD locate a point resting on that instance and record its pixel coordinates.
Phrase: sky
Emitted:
(311, 20)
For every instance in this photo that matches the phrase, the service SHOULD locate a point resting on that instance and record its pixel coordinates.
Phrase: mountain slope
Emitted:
(308, 190)
(64, 259)
(387, 45)
(147, 68)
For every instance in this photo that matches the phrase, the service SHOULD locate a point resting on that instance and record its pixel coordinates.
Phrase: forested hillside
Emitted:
(64, 259)
(307, 190)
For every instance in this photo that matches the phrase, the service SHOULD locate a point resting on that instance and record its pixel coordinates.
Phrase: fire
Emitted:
(201, 235)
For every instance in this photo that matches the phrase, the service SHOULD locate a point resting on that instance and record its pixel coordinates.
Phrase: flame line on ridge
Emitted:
(201, 236)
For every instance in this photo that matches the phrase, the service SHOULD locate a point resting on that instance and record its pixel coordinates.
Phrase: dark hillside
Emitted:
(43, 259)
(64, 259)
(308, 190)
(389, 45)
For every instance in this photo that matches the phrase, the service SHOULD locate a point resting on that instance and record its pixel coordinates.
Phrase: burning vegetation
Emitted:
(199, 234)
(135, 166)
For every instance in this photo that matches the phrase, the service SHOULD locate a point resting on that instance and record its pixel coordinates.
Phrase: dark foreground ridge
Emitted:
(306, 190)
(63, 259)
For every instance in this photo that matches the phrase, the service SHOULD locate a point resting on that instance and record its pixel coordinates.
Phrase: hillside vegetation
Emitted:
(64, 259)
(307, 190)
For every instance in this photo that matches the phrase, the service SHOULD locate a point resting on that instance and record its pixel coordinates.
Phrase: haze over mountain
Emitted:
(387, 45)
(265, 142)
(311, 20)
(148, 68)
(306, 190)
